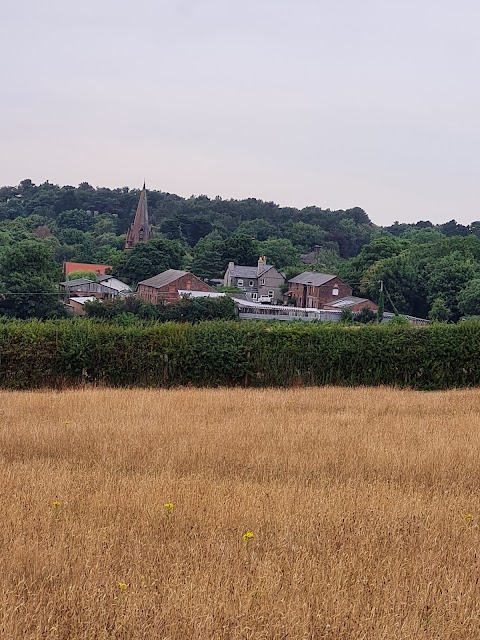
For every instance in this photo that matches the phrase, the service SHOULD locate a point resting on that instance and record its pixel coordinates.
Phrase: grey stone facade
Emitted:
(261, 280)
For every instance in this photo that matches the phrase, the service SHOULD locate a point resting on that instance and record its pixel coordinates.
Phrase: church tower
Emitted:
(139, 229)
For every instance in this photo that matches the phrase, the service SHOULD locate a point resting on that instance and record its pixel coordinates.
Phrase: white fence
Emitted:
(252, 311)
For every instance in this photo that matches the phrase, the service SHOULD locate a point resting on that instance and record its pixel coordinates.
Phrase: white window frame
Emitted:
(254, 295)
(240, 282)
(251, 283)
(335, 291)
(263, 282)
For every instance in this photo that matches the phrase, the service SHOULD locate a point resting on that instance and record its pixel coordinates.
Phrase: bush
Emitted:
(400, 321)
(185, 310)
(58, 353)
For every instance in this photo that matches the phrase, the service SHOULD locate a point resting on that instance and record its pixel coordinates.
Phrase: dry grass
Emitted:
(357, 499)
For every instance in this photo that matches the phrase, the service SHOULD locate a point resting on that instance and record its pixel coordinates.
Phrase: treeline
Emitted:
(57, 354)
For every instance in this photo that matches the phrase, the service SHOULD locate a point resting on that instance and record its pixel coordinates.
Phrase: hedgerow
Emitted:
(59, 353)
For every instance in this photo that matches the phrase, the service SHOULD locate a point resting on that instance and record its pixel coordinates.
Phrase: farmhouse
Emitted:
(167, 286)
(313, 290)
(262, 280)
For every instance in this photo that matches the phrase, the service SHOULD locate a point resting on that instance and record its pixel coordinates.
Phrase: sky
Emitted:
(334, 103)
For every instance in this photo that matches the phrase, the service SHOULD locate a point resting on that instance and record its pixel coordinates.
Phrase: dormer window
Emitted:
(335, 291)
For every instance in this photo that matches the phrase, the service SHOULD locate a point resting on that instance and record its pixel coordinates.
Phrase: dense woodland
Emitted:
(428, 270)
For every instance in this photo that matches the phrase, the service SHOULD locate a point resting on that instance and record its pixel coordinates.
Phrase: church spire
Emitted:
(139, 229)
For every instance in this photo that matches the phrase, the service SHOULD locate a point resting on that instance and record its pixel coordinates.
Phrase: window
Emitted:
(263, 282)
(254, 295)
(271, 293)
(250, 284)
(335, 291)
(240, 282)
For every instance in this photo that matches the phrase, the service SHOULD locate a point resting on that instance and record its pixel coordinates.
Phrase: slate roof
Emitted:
(313, 278)
(164, 278)
(239, 271)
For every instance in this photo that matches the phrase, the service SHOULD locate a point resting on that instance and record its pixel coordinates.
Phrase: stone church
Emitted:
(139, 230)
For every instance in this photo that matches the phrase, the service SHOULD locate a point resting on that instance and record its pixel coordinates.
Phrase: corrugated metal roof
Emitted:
(113, 283)
(166, 277)
(200, 294)
(348, 301)
(240, 271)
(83, 300)
(76, 283)
(313, 278)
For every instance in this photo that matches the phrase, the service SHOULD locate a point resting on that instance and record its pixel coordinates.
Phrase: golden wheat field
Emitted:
(364, 505)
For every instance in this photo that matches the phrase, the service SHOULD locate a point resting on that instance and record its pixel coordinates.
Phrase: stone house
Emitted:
(165, 286)
(315, 290)
(262, 280)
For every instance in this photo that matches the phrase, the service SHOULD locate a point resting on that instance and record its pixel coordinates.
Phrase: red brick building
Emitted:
(315, 290)
(165, 286)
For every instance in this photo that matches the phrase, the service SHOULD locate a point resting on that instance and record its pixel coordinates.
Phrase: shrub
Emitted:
(59, 353)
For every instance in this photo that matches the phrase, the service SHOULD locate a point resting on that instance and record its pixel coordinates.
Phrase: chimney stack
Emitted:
(262, 261)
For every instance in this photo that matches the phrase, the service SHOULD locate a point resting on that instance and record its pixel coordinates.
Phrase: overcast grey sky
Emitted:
(337, 103)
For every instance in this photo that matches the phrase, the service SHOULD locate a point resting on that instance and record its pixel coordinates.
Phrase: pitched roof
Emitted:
(113, 283)
(348, 301)
(240, 271)
(166, 277)
(311, 277)
(76, 283)
(83, 300)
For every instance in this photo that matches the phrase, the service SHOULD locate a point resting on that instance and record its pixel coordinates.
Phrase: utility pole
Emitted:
(381, 304)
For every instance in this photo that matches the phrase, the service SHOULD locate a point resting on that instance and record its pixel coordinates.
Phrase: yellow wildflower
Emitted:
(123, 586)
(247, 536)
(469, 517)
(56, 503)
(168, 506)
(66, 423)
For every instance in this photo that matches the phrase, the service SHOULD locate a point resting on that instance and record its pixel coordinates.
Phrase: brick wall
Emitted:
(169, 292)
(318, 296)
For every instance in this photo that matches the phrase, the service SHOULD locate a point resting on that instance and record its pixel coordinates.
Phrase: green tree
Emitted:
(447, 277)
(75, 219)
(148, 259)
(28, 281)
(89, 275)
(208, 259)
(240, 249)
(469, 298)
(439, 311)
(279, 252)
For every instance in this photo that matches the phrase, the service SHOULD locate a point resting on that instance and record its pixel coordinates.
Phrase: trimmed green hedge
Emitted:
(60, 353)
